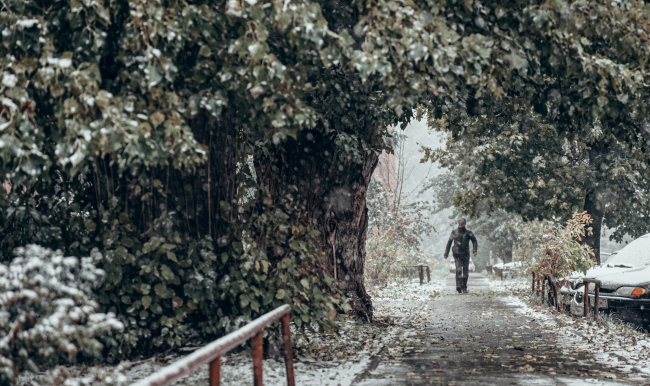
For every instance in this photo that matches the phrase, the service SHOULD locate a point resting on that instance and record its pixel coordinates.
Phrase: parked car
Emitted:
(625, 281)
(509, 269)
(452, 266)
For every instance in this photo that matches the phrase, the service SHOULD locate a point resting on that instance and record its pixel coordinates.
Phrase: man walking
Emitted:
(460, 238)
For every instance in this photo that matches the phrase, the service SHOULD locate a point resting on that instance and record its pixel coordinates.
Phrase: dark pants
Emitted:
(462, 272)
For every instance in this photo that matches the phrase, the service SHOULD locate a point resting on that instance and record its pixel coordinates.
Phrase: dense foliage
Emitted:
(561, 252)
(216, 154)
(47, 312)
(519, 161)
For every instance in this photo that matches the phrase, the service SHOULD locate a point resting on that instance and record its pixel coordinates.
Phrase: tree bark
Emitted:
(595, 209)
(334, 194)
(507, 254)
(592, 205)
(345, 249)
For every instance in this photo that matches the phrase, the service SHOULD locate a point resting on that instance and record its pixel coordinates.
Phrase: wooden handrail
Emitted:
(597, 284)
(212, 353)
(421, 267)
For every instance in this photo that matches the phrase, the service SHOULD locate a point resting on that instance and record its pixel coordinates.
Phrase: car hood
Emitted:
(630, 278)
(596, 272)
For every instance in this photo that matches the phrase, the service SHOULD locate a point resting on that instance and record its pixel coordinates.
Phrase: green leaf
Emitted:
(161, 290)
(166, 272)
(156, 308)
(244, 300)
(255, 306)
(151, 245)
(279, 294)
(146, 301)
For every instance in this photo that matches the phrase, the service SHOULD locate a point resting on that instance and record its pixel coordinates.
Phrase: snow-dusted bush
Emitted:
(47, 314)
(560, 249)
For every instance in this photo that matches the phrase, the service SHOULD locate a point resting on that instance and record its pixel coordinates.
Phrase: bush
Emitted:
(388, 259)
(47, 314)
(559, 249)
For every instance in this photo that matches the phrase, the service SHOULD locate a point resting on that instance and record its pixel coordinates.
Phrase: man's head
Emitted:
(462, 222)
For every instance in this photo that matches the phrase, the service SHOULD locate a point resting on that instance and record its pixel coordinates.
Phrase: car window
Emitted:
(635, 254)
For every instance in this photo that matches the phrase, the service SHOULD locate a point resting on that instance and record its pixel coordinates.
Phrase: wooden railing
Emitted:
(597, 284)
(212, 353)
(585, 301)
(421, 268)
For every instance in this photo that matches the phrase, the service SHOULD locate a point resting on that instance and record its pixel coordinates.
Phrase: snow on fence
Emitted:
(212, 353)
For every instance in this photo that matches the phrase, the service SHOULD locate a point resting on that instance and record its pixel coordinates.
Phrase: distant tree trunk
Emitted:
(592, 205)
(507, 254)
(595, 209)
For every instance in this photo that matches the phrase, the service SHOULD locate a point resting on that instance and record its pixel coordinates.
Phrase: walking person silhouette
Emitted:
(460, 238)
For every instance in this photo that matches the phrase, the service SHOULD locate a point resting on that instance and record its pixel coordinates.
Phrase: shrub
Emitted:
(47, 314)
(388, 259)
(561, 252)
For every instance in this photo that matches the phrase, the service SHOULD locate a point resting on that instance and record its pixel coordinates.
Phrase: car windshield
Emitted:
(635, 254)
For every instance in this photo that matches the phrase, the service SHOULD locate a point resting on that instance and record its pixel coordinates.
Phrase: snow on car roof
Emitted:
(636, 253)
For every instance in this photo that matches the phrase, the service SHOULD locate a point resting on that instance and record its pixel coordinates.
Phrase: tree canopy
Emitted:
(207, 150)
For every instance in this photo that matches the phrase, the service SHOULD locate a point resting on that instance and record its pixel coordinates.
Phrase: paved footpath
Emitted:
(478, 339)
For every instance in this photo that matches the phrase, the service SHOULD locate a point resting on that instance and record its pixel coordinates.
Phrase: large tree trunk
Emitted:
(344, 227)
(595, 209)
(335, 197)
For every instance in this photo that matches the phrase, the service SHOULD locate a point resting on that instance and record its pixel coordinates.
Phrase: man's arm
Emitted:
(474, 242)
(448, 246)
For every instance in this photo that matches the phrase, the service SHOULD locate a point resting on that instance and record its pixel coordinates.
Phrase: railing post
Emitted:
(258, 356)
(421, 269)
(597, 285)
(533, 284)
(585, 300)
(288, 352)
(596, 302)
(543, 290)
(428, 274)
(215, 372)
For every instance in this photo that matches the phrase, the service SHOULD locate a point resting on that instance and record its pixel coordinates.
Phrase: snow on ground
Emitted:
(610, 341)
(328, 360)
(408, 290)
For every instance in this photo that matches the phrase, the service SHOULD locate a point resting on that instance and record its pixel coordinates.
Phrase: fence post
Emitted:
(428, 274)
(597, 285)
(421, 269)
(288, 352)
(533, 284)
(215, 372)
(258, 356)
(585, 300)
(596, 302)
(543, 289)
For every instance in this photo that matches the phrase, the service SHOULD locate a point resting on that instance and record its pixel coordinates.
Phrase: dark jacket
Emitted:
(460, 237)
